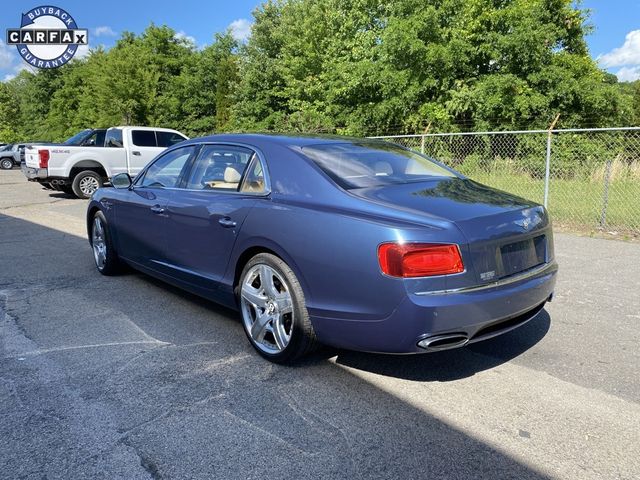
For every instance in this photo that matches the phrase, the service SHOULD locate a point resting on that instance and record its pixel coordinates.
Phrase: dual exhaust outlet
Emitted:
(443, 342)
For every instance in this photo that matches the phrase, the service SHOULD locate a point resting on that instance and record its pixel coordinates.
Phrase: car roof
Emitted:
(162, 129)
(281, 139)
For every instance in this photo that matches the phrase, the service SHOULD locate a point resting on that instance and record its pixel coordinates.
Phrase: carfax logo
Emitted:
(48, 37)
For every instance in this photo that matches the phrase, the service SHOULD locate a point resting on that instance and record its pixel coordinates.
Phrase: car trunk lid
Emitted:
(506, 234)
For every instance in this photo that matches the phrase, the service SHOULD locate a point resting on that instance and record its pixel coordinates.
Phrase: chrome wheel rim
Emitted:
(7, 164)
(88, 185)
(267, 309)
(98, 243)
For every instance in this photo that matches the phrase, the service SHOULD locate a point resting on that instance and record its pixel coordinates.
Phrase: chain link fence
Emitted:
(589, 179)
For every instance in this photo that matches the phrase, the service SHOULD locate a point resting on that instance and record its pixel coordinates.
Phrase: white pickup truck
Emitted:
(82, 170)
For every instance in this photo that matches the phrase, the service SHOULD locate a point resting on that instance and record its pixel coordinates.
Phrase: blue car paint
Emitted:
(329, 237)
(142, 232)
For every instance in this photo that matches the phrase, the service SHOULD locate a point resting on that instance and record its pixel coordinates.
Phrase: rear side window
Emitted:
(114, 138)
(219, 167)
(168, 139)
(144, 138)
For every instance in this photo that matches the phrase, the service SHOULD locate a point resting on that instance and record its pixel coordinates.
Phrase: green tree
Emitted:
(365, 66)
(353, 67)
(9, 114)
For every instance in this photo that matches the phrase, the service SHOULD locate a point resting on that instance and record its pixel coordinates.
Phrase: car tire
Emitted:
(286, 333)
(6, 164)
(85, 183)
(104, 252)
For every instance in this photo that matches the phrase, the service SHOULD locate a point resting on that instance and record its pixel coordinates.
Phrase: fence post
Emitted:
(547, 167)
(605, 194)
(546, 171)
(422, 138)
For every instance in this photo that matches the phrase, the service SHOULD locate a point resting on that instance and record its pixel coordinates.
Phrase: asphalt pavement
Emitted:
(126, 377)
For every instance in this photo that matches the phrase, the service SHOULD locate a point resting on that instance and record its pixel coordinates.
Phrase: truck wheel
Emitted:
(6, 164)
(85, 183)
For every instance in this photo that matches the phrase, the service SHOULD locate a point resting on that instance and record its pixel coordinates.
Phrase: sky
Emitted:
(615, 41)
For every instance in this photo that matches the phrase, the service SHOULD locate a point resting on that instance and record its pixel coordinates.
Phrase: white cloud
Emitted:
(17, 69)
(181, 35)
(627, 57)
(628, 74)
(240, 29)
(627, 54)
(6, 55)
(104, 31)
(83, 51)
(24, 66)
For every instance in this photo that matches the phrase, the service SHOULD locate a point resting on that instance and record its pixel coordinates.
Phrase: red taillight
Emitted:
(44, 158)
(419, 259)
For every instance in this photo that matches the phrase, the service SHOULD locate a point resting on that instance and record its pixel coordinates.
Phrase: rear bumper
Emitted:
(476, 314)
(34, 173)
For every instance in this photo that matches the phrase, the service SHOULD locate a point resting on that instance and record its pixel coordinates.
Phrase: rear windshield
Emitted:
(78, 138)
(368, 164)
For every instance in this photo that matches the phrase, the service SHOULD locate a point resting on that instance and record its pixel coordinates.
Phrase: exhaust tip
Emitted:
(443, 342)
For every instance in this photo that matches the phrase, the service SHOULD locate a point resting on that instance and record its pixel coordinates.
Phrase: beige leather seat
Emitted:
(231, 179)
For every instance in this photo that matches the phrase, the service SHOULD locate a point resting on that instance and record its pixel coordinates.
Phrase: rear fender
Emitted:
(264, 244)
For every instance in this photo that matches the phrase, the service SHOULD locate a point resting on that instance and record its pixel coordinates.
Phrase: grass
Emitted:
(577, 204)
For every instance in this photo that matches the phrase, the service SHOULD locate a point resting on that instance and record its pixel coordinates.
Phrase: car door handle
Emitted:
(135, 152)
(157, 209)
(226, 222)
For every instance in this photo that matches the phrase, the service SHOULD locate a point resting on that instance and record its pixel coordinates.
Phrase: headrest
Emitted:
(232, 175)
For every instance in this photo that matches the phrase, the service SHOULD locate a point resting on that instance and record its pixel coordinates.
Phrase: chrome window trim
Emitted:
(199, 146)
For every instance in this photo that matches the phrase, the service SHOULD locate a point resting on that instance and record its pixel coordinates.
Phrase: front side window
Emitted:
(168, 139)
(113, 138)
(144, 138)
(372, 164)
(165, 172)
(220, 167)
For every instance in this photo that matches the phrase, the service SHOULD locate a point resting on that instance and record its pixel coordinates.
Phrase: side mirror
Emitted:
(121, 181)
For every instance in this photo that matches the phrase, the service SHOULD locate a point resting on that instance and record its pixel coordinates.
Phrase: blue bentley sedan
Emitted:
(355, 243)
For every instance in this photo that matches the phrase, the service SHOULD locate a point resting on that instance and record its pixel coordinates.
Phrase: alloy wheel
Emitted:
(99, 244)
(88, 185)
(267, 309)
